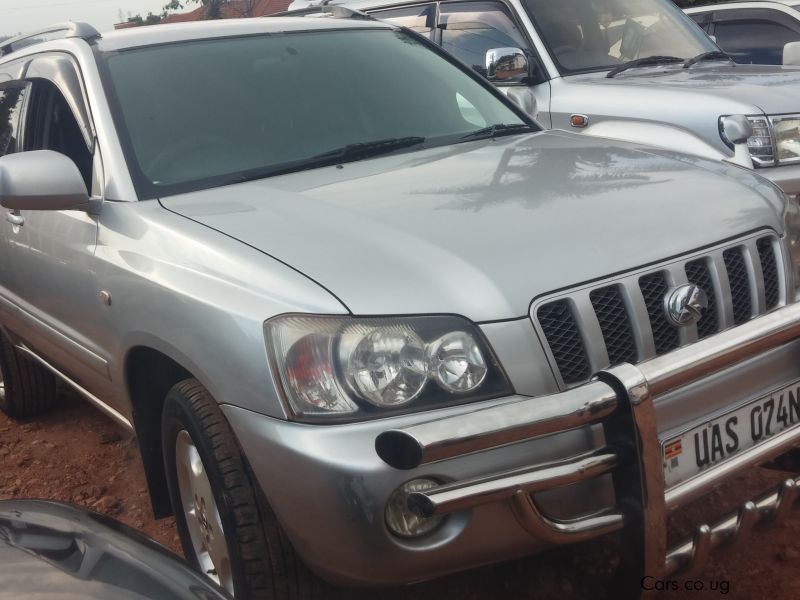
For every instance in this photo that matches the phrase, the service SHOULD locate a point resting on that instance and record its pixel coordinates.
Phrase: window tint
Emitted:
(416, 18)
(210, 112)
(10, 105)
(586, 35)
(52, 126)
(472, 28)
(754, 41)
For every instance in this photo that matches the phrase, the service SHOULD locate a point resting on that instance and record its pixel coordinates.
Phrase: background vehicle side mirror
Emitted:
(41, 180)
(791, 53)
(506, 65)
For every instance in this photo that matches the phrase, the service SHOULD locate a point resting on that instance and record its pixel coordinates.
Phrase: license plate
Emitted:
(722, 437)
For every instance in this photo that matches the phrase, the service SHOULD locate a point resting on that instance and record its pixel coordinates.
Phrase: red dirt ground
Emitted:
(75, 454)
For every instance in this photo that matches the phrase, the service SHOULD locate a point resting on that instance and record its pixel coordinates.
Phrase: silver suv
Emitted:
(638, 70)
(359, 309)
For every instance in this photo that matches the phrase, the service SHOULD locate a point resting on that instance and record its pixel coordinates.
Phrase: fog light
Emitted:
(400, 520)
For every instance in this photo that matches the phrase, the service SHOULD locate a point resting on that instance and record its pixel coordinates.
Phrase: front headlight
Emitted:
(361, 368)
(787, 138)
(760, 143)
(775, 140)
(791, 221)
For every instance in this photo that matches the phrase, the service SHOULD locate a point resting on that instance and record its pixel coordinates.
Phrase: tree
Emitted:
(213, 7)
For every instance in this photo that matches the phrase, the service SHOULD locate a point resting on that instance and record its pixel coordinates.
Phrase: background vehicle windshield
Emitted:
(212, 112)
(591, 35)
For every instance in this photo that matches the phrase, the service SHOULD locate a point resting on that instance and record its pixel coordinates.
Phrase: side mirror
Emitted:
(737, 129)
(791, 53)
(41, 180)
(506, 65)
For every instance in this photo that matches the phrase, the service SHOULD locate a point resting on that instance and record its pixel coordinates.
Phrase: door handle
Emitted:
(14, 218)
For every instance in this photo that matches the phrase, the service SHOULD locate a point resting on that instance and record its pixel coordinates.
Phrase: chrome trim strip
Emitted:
(461, 495)
(556, 531)
(118, 417)
(496, 426)
(722, 350)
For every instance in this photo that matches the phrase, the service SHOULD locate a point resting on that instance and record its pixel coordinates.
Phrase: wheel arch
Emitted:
(149, 375)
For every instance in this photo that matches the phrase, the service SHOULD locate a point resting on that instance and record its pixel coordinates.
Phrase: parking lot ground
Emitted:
(76, 454)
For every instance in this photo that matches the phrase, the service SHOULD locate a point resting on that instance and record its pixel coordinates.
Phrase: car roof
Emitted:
(168, 33)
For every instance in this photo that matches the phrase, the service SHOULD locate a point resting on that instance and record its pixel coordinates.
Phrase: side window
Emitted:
(417, 18)
(11, 98)
(52, 126)
(754, 41)
(469, 29)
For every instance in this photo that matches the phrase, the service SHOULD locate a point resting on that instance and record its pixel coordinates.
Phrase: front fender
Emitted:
(666, 136)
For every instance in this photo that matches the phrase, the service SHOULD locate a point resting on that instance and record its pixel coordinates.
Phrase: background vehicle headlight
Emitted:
(787, 138)
(360, 368)
(760, 144)
(791, 221)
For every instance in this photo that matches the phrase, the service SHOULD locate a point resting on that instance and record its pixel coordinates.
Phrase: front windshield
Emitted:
(593, 35)
(211, 112)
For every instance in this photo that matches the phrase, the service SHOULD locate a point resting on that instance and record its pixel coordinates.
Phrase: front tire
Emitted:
(26, 388)
(227, 529)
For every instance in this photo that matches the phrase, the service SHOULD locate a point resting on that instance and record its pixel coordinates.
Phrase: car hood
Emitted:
(748, 89)
(482, 228)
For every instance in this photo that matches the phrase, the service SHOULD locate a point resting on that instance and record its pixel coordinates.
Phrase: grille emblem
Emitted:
(685, 304)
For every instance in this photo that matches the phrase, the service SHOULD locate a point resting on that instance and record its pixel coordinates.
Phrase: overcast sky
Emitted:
(25, 15)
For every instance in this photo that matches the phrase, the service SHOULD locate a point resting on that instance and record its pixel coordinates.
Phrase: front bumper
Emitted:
(329, 486)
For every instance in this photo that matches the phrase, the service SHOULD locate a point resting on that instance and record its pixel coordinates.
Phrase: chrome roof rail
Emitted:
(326, 9)
(70, 29)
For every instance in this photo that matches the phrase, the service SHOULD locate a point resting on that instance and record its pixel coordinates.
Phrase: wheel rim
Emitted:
(201, 514)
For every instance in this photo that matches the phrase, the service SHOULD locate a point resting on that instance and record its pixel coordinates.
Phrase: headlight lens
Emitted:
(787, 138)
(361, 368)
(458, 362)
(388, 366)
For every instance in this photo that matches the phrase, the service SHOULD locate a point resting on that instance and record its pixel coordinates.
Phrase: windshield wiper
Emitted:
(643, 62)
(367, 149)
(496, 130)
(349, 152)
(714, 54)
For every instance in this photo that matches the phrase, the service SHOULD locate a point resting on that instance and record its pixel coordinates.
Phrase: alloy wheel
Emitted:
(201, 514)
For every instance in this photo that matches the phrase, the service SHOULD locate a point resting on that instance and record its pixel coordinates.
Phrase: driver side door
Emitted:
(51, 282)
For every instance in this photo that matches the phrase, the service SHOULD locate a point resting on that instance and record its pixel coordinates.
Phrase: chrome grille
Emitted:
(624, 320)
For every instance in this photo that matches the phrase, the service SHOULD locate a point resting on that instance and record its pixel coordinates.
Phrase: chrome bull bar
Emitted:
(621, 400)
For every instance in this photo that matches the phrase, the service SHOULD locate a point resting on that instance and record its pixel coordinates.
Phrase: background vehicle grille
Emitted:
(593, 328)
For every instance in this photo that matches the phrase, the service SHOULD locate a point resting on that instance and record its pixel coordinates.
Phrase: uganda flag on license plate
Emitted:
(672, 449)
